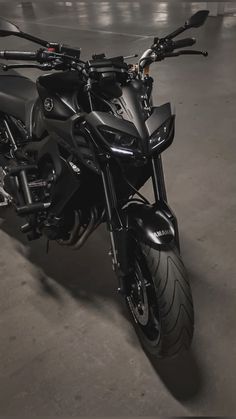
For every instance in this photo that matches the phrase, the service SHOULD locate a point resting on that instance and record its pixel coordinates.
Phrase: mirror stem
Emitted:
(177, 32)
(32, 39)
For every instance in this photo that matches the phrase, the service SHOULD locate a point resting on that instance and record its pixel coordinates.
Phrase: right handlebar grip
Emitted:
(19, 55)
(182, 43)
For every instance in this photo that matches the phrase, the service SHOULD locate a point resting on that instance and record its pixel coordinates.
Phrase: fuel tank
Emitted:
(59, 94)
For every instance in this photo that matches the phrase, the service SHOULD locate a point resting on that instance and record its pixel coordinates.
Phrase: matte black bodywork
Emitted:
(68, 112)
(150, 225)
(76, 131)
(66, 92)
(17, 96)
(63, 89)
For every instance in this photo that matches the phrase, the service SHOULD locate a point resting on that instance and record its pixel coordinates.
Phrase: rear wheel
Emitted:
(160, 301)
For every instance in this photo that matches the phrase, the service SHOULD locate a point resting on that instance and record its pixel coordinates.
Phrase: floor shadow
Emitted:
(181, 375)
(87, 274)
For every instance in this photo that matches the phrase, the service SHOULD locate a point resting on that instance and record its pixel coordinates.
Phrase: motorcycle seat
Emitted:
(17, 96)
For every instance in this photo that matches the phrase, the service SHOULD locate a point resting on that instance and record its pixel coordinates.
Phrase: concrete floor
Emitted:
(66, 346)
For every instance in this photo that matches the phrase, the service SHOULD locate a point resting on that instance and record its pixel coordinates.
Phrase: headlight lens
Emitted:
(160, 135)
(120, 142)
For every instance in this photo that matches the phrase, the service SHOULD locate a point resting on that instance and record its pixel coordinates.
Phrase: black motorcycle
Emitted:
(75, 149)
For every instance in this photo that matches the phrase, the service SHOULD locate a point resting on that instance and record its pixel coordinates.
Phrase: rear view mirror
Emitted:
(8, 28)
(198, 19)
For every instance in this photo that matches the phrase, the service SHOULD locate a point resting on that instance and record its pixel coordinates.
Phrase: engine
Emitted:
(43, 182)
(42, 185)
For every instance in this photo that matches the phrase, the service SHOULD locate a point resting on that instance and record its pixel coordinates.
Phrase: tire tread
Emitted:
(174, 300)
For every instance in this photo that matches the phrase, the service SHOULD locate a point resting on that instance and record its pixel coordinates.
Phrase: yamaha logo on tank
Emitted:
(48, 104)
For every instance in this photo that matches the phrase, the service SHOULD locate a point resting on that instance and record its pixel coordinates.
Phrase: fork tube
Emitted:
(110, 205)
(158, 179)
(110, 196)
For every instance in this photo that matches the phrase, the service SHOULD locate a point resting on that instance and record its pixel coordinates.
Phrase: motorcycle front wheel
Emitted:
(160, 301)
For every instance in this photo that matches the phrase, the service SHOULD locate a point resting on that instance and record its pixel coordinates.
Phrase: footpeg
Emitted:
(14, 170)
(32, 208)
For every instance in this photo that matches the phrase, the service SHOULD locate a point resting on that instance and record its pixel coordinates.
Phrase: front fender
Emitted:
(150, 225)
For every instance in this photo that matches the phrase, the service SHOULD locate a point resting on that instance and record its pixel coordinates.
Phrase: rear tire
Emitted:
(160, 301)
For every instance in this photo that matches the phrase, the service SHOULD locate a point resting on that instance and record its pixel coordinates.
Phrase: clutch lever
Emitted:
(44, 67)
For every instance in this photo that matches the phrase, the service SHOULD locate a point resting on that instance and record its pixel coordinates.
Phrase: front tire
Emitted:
(160, 301)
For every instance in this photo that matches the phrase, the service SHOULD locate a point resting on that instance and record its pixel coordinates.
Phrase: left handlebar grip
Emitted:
(182, 43)
(19, 55)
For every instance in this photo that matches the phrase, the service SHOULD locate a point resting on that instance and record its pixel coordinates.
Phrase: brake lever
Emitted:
(186, 52)
(192, 52)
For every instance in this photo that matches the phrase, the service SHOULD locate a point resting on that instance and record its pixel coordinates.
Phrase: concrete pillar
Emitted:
(216, 8)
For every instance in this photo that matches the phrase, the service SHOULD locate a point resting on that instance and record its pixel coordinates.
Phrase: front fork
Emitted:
(160, 195)
(118, 230)
(117, 223)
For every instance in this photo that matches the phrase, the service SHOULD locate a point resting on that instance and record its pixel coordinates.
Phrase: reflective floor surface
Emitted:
(66, 346)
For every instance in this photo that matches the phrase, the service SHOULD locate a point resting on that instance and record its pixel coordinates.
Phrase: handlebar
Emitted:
(19, 55)
(49, 59)
(164, 48)
(59, 56)
(182, 43)
(41, 55)
(46, 59)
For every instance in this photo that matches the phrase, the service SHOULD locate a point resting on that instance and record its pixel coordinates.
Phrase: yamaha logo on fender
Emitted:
(48, 104)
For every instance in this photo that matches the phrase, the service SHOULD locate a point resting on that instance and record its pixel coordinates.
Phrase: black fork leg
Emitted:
(117, 228)
(158, 179)
(159, 188)
(111, 203)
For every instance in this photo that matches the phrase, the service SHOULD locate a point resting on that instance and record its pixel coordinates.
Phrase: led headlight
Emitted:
(120, 142)
(160, 135)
